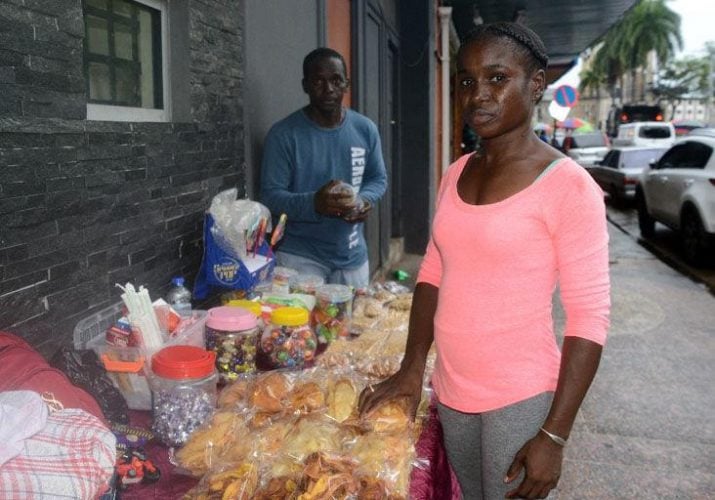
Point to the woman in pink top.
(513, 220)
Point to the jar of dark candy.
(232, 333)
(288, 341)
(183, 388)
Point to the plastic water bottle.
(179, 297)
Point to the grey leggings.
(481, 446)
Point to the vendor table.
(434, 481)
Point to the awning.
(567, 27)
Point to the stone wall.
(86, 204)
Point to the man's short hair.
(319, 54)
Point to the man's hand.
(359, 212)
(334, 199)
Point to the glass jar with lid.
(332, 313)
(288, 341)
(183, 388)
(232, 333)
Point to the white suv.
(679, 191)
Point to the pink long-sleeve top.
(497, 267)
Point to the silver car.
(620, 170)
(679, 191)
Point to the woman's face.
(496, 93)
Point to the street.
(646, 428)
(665, 244)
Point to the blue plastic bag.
(222, 268)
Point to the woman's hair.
(318, 55)
(524, 38)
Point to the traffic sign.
(566, 96)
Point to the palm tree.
(650, 26)
(591, 80)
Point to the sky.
(696, 20)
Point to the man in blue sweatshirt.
(323, 167)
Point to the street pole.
(711, 75)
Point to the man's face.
(325, 84)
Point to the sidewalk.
(646, 429)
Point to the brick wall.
(86, 204)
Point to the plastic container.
(306, 283)
(128, 367)
(183, 388)
(232, 333)
(332, 312)
(281, 279)
(179, 297)
(250, 305)
(288, 341)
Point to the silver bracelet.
(556, 439)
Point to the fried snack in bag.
(342, 399)
(209, 442)
(388, 417)
(236, 394)
(270, 392)
(281, 487)
(327, 476)
(230, 482)
(306, 397)
(387, 457)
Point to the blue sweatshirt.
(300, 157)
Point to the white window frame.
(104, 112)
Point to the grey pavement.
(647, 427)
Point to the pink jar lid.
(230, 319)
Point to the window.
(654, 132)
(124, 60)
(690, 154)
(640, 157)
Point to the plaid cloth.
(71, 457)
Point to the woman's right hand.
(405, 384)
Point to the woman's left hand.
(541, 459)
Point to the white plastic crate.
(129, 368)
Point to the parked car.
(588, 147)
(645, 134)
(679, 191)
(706, 131)
(621, 168)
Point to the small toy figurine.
(133, 467)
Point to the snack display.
(232, 333)
(332, 313)
(287, 340)
(301, 430)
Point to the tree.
(592, 81)
(681, 79)
(650, 26)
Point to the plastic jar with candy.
(183, 388)
(332, 312)
(306, 283)
(288, 341)
(281, 279)
(232, 333)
